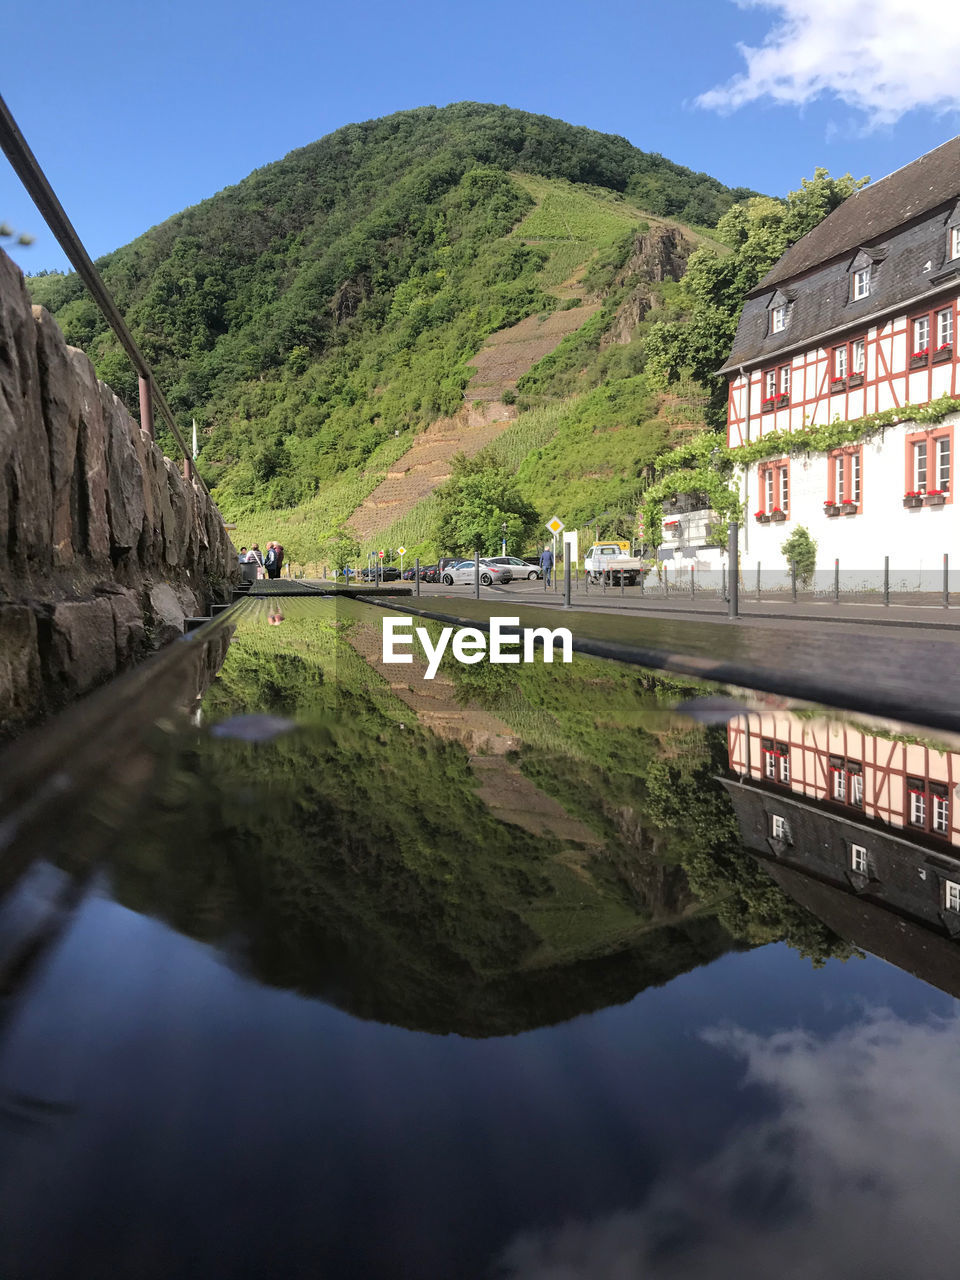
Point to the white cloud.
(855, 1174)
(882, 58)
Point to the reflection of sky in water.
(204, 1125)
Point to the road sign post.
(555, 526)
(401, 552)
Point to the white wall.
(913, 539)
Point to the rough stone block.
(78, 646)
(166, 614)
(20, 689)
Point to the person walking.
(546, 563)
(270, 560)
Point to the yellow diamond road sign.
(555, 525)
(401, 551)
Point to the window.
(941, 815)
(776, 384)
(839, 783)
(920, 465)
(783, 758)
(858, 362)
(929, 460)
(921, 337)
(917, 802)
(945, 328)
(858, 859)
(843, 478)
(854, 773)
(774, 480)
(943, 463)
(955, 242)
(861, 284)
(779, 828)
(769, 764)
(840, 362)
(778, 319)
(951, 895)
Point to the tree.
(758, 232)
(341, 548)
(801, 550)
(475, 503)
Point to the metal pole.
(566, 583)
(886, 580)
(758, 579)
(946, 581)
(146, 406)
(621, 582)
(836, 581)
(733, 559)
(723, 582)
(793, 579)
(476, 574)
(693, 590)
(416, 565)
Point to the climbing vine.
(704, 465)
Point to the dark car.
(431, 573)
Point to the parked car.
(431, 573)
(464, 573)
(519, 568)
(385, 574)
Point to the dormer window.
(955, 242)
(861, 284)
(778, 319)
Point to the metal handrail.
(28, 170)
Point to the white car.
(464, 573)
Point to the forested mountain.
(332, 300)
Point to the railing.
(28, 170)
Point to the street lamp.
(503, 540)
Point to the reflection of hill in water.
(362, 862)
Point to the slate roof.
(901, 220)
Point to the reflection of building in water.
(855, 826)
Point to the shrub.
(801, 549)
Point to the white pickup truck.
(614, 561)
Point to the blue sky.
(137, 112)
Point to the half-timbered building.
(858, 317)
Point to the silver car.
(519, 568)
(463, 572)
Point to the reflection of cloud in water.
(855, 1176)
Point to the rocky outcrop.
(104, 547)
(657, 255)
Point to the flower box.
(919, 359)
(783, 399)
(761, 517)
(943, 353)
(913, 499)
(778, 515)
(934, 498)
(848, 507)
(768, 403)
(837, 384)
(831, 508)
(855, 380)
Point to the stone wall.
(104, 547)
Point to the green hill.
(318, 315)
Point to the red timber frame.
(850, 460)
(816, 364)
(780, 468)
(811, 766)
